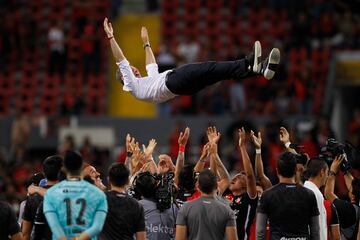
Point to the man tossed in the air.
(187, 79)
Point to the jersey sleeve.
(232, 218)
(141, 221)
(102, 204)
(152, 69)
(48, 206)
(334, 215)
(314, 210)
(28, 214)
(181, 216)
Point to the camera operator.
(160, 223)
(348, 211)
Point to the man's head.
(52, 166)
(318, 170)
(89, 170)
(119, 77)
(118, 175)
(207, 182)
(286, 165)
(238, 182)
(187, 178)
(73, 163)
(355, 193)
(146, 184)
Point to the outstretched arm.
(250, 176)
(182, 140)
(116, 50)
(330, 182)
(259, 168)
(149, 55)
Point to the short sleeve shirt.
(75, 202)
(206, 218)
(284, 204)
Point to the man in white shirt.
(187, 79)
(317, 173)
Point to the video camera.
(163, 188)
(333, 149)
(164, 191)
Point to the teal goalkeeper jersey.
(75, 203)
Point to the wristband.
(287, 144)
(332, 173)
(129, 154)
(258, 151)
(181, 148)
(109, 38)
(146, 45)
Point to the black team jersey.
(125, 217)
(289, 208)
(8, 221)
(245, 210)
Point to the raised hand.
(205, 151)
(165, 164)
(284, 135)
(242, 137)
(184, 137)
(213, 135)
(150, 148)
(144, 35)
(108, 28)
(336, 163)
(256, 140)
(128, 140)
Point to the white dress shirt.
(151, 88)
(320, 203)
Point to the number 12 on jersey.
(79, 219)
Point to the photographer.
(348, 211)
(160, 223)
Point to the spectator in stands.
(90, 51)
(188, 50)
(125, 216)
(9, 225)
(67, 145)
(284, 203)
(206, 217)
(20, 132)
(165, 59)
(56, 40)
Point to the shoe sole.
(274, 60)
(257, 57)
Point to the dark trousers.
(191, 78)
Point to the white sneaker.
(268, 66)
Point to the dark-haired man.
(125, 216)
(75, 208)
(51, 168)
(348, 212)
(187, 79)
(159, 224)
(290, 208)
(9, 226)
(206, 217)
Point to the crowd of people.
(151, 198)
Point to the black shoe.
(254, 58)
(268, 66)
